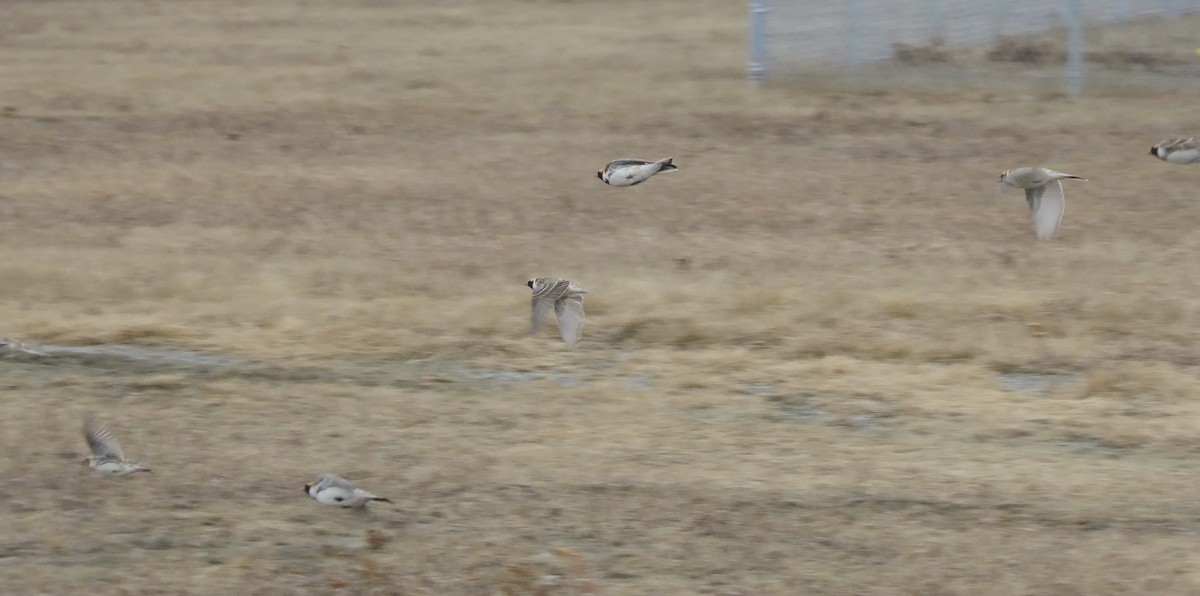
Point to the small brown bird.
(106, 452)
(1044, 193)
(1180, 151)
(330, 489)
(566, 299)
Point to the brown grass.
(1147, 53)
(793, 375)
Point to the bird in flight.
(330, 489)
(565, 298)
(628, 172)
(106, 455)
(1180, 151)
(1044, 193)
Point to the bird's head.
(532, 281)
(1004, 176)
(307, 486)
(600, 175)
(1154, 151)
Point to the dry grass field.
(266, 240)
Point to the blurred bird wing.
(334, 481)
(543, 300)
(1182, 144)
(622, 163)
(569, 311)
(100, 439)
(1046, 205)
(1183, 151)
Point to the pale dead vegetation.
(827, 357)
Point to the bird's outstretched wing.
(100, 439)
(569, 311)
(1046, 205)
(543, 301)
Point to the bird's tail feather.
(1065, 176)
(666, 165)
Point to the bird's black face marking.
(306, 487)
(530, 284)
(600, 175)
(1152, 152)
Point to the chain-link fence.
(1075, 43)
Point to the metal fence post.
(1072, 11)
(853, 43)
(758, 42)
(937, 19)
(997, 19)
